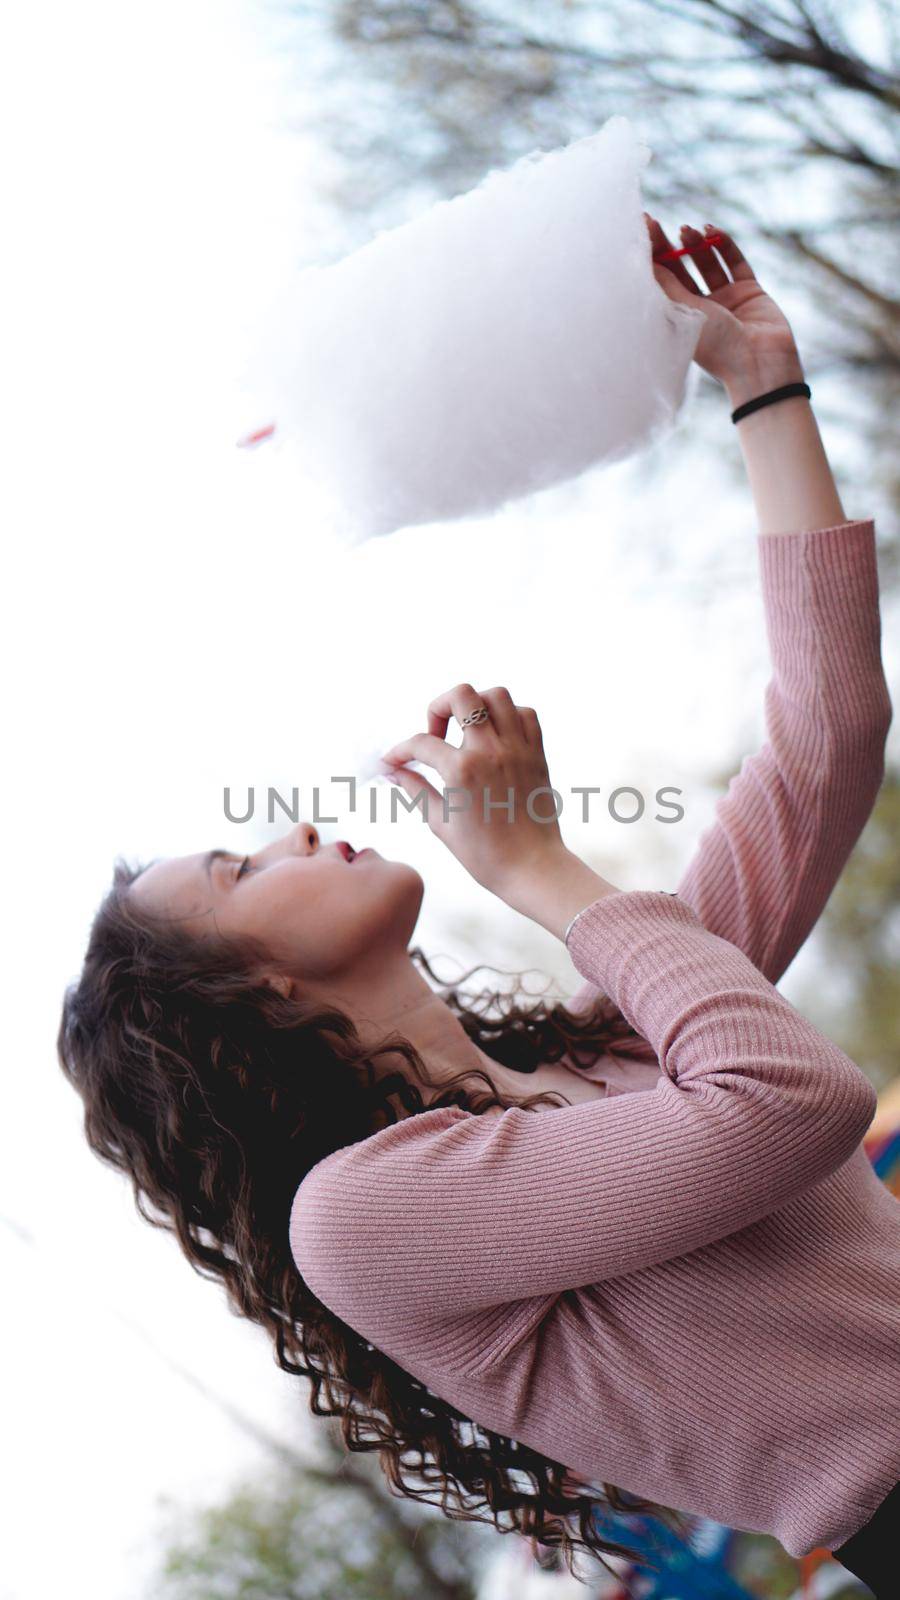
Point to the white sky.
(177, 620)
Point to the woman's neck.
(394, 997)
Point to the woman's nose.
(300, 841)
(303, 839)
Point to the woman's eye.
(244, 867)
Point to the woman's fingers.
(498, 775)
(737, 263)
(659, 244)
(504, 713)
(414, 784)
(462, 700)
(426, 747)
(456, 702)
(531, 725)
(704, 259)
(710, 269)
(508, 726)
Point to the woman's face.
(315, 912)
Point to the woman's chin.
(407, 884)
(411, 877)
(389, 862)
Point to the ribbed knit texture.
(690, 1287)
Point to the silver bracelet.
(572, 922)
(673, 895)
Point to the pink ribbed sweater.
(689, 1288)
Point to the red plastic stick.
(258, 436)
(670, 255)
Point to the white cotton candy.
(366, 764)
(503, 342)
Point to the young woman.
(631, 1242)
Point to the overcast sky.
(177, 620)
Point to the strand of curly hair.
(215, 1095)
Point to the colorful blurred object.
(882, 1142)
(695, 1568)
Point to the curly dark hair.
(216, 1095)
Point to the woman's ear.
(280, 982)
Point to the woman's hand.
(747, 340)
(519, 831)
(505, 831)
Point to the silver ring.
(481, 715)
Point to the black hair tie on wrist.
(784, 393)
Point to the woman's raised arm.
(763, 872)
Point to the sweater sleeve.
(450, 1211)
(763, 871)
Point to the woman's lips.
(348, 852)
